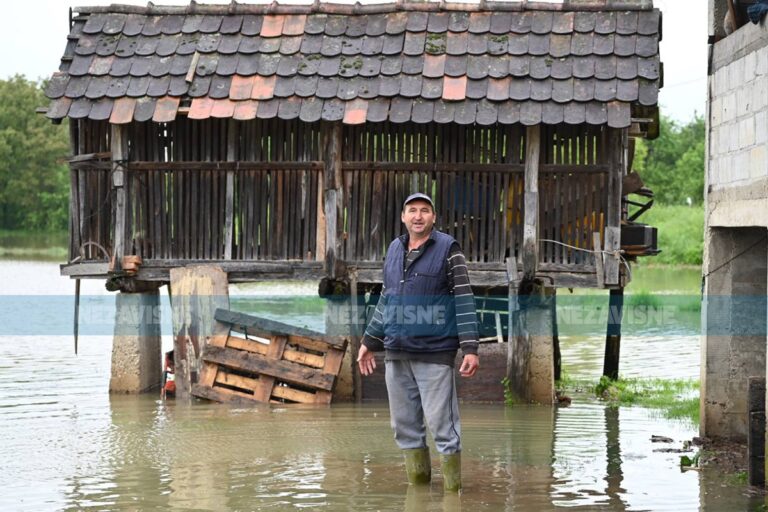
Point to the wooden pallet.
(260, 360)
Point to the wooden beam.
(119, 146)
(613, 335)
(226, 166)
(617, 146)
(334, 204)
(531, 202)
(229, 205)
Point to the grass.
(674, 398)
(681, 233)
(33, 245)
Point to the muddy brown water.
(66, 444)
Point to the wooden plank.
(238, 381)
(282, 370)
(219, 394)
(119, 147)
(293, 395)
(598, 259)
(616, 144)
(333, 360)
(263, 392)
(531, 205)
(246, 344)
(333, 200)
(229, 202)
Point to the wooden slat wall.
(90, 191)
(573, 200)
(180, 213)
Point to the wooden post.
(516, 372)
(531, 202)
(616, 149)
(119, 146)
(229, 206)
(333, 186)
(196, 293)
(613, 337)
(558, 356)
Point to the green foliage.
(509, 397)
(674, 398)
(673, 164)
(681, 234)
(33, 173)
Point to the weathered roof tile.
(285, 86)
(289, 108)
(333, 110)
(268, 109)
(245, 110)
(479, 22)
(456, 65)
(219, 88)
(552, 113)
(393, 45)
(562, 22)
(443, 66)
(352, 45)
(626, 22)
(231, 24)
(541, 90)
(431, 88)
(311, 109)
(223, 108)
(605, 22)
(604, 44)
(396, 22)
(165, 110)
(477, 44)
(327, 88)
(158, 86)
(152, 26)
(122, 111)
(138, 86)
(133, 25)
(625, 46)
(477, 67)
(251, 25)
(413, 65)
(377, 25)
(541, 22)
(305, 86)
(80, 108)
(444, 111)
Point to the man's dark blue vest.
(419, 313)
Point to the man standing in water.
(425, 314)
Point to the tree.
(673, 164)
(33, 170)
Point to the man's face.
(418, 217)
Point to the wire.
(610, 253)
(760, 240)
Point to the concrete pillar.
(733, 326)
(541, 369)
(342, 320)
(136, 347)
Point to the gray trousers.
(419, 390)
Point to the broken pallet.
(261, 360)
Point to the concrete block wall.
(738, 120)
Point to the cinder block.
(746, 132)
(761, 68)
(723, 140)
(749, 67)
(758, 162)
(760, 94)
(729, 107)
(735, 74)
(761, 127)
(733, 138)
(715, 113)
(744, 101)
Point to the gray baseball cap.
(418, 195)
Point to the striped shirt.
(466, 317)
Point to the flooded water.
(68, 445)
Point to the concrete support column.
(734, 328)
(541, 366)
(136, 347)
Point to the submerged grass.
(674, 398)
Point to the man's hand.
(365, 360)
(469, 365)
